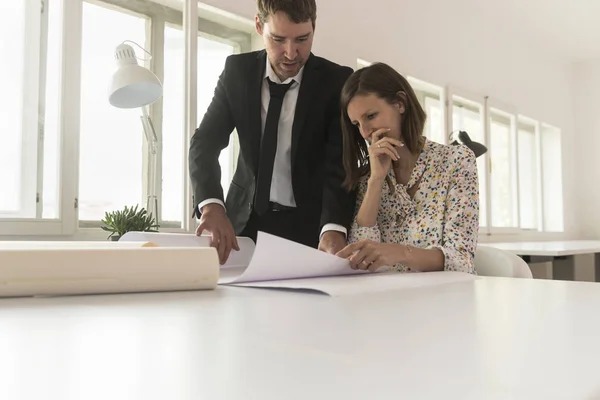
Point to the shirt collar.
(269, 73)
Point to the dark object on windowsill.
(475, 147)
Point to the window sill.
(82, 234)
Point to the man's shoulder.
(243, 59)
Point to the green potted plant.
(129, 219)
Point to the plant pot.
(115, 238)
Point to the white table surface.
(495, 338)
(550, 249)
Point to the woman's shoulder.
(451, 154)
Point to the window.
(503, 184)
(106, 186)
(551, 167)
(520, 175)
(49, 107)
(66, 155)
(211, 60)
(435, 120)
(12, 79)
(110, 162)
(529, 178)
(430, 97)
(28, 141)
(360, 63)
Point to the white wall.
(586, 105)
(450, 42)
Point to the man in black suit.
(284, 103)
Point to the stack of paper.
(279, 263)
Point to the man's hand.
(223, 238)
(332, 241)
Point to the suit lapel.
(254, 90)
(308, 88)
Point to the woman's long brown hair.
(384, 82)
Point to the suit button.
(249, 206)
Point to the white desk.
(495, 338)
(560, 253)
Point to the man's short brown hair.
(298, 11)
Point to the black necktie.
(268, 146)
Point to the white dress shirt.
(281, 181)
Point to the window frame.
(34, 23)
(505, 110)
(546, 192)
(431, 90)
(535, 124)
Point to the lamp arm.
(152, 139)
(149, 130)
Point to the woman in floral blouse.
(417, 200)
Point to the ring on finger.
(379, 145)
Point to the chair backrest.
(490, 261)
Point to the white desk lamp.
(134, 86)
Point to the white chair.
(490, 261)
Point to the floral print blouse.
(444, 212)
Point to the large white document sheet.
(275, 262)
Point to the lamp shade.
(132, 86)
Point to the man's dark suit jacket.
(317, 170)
